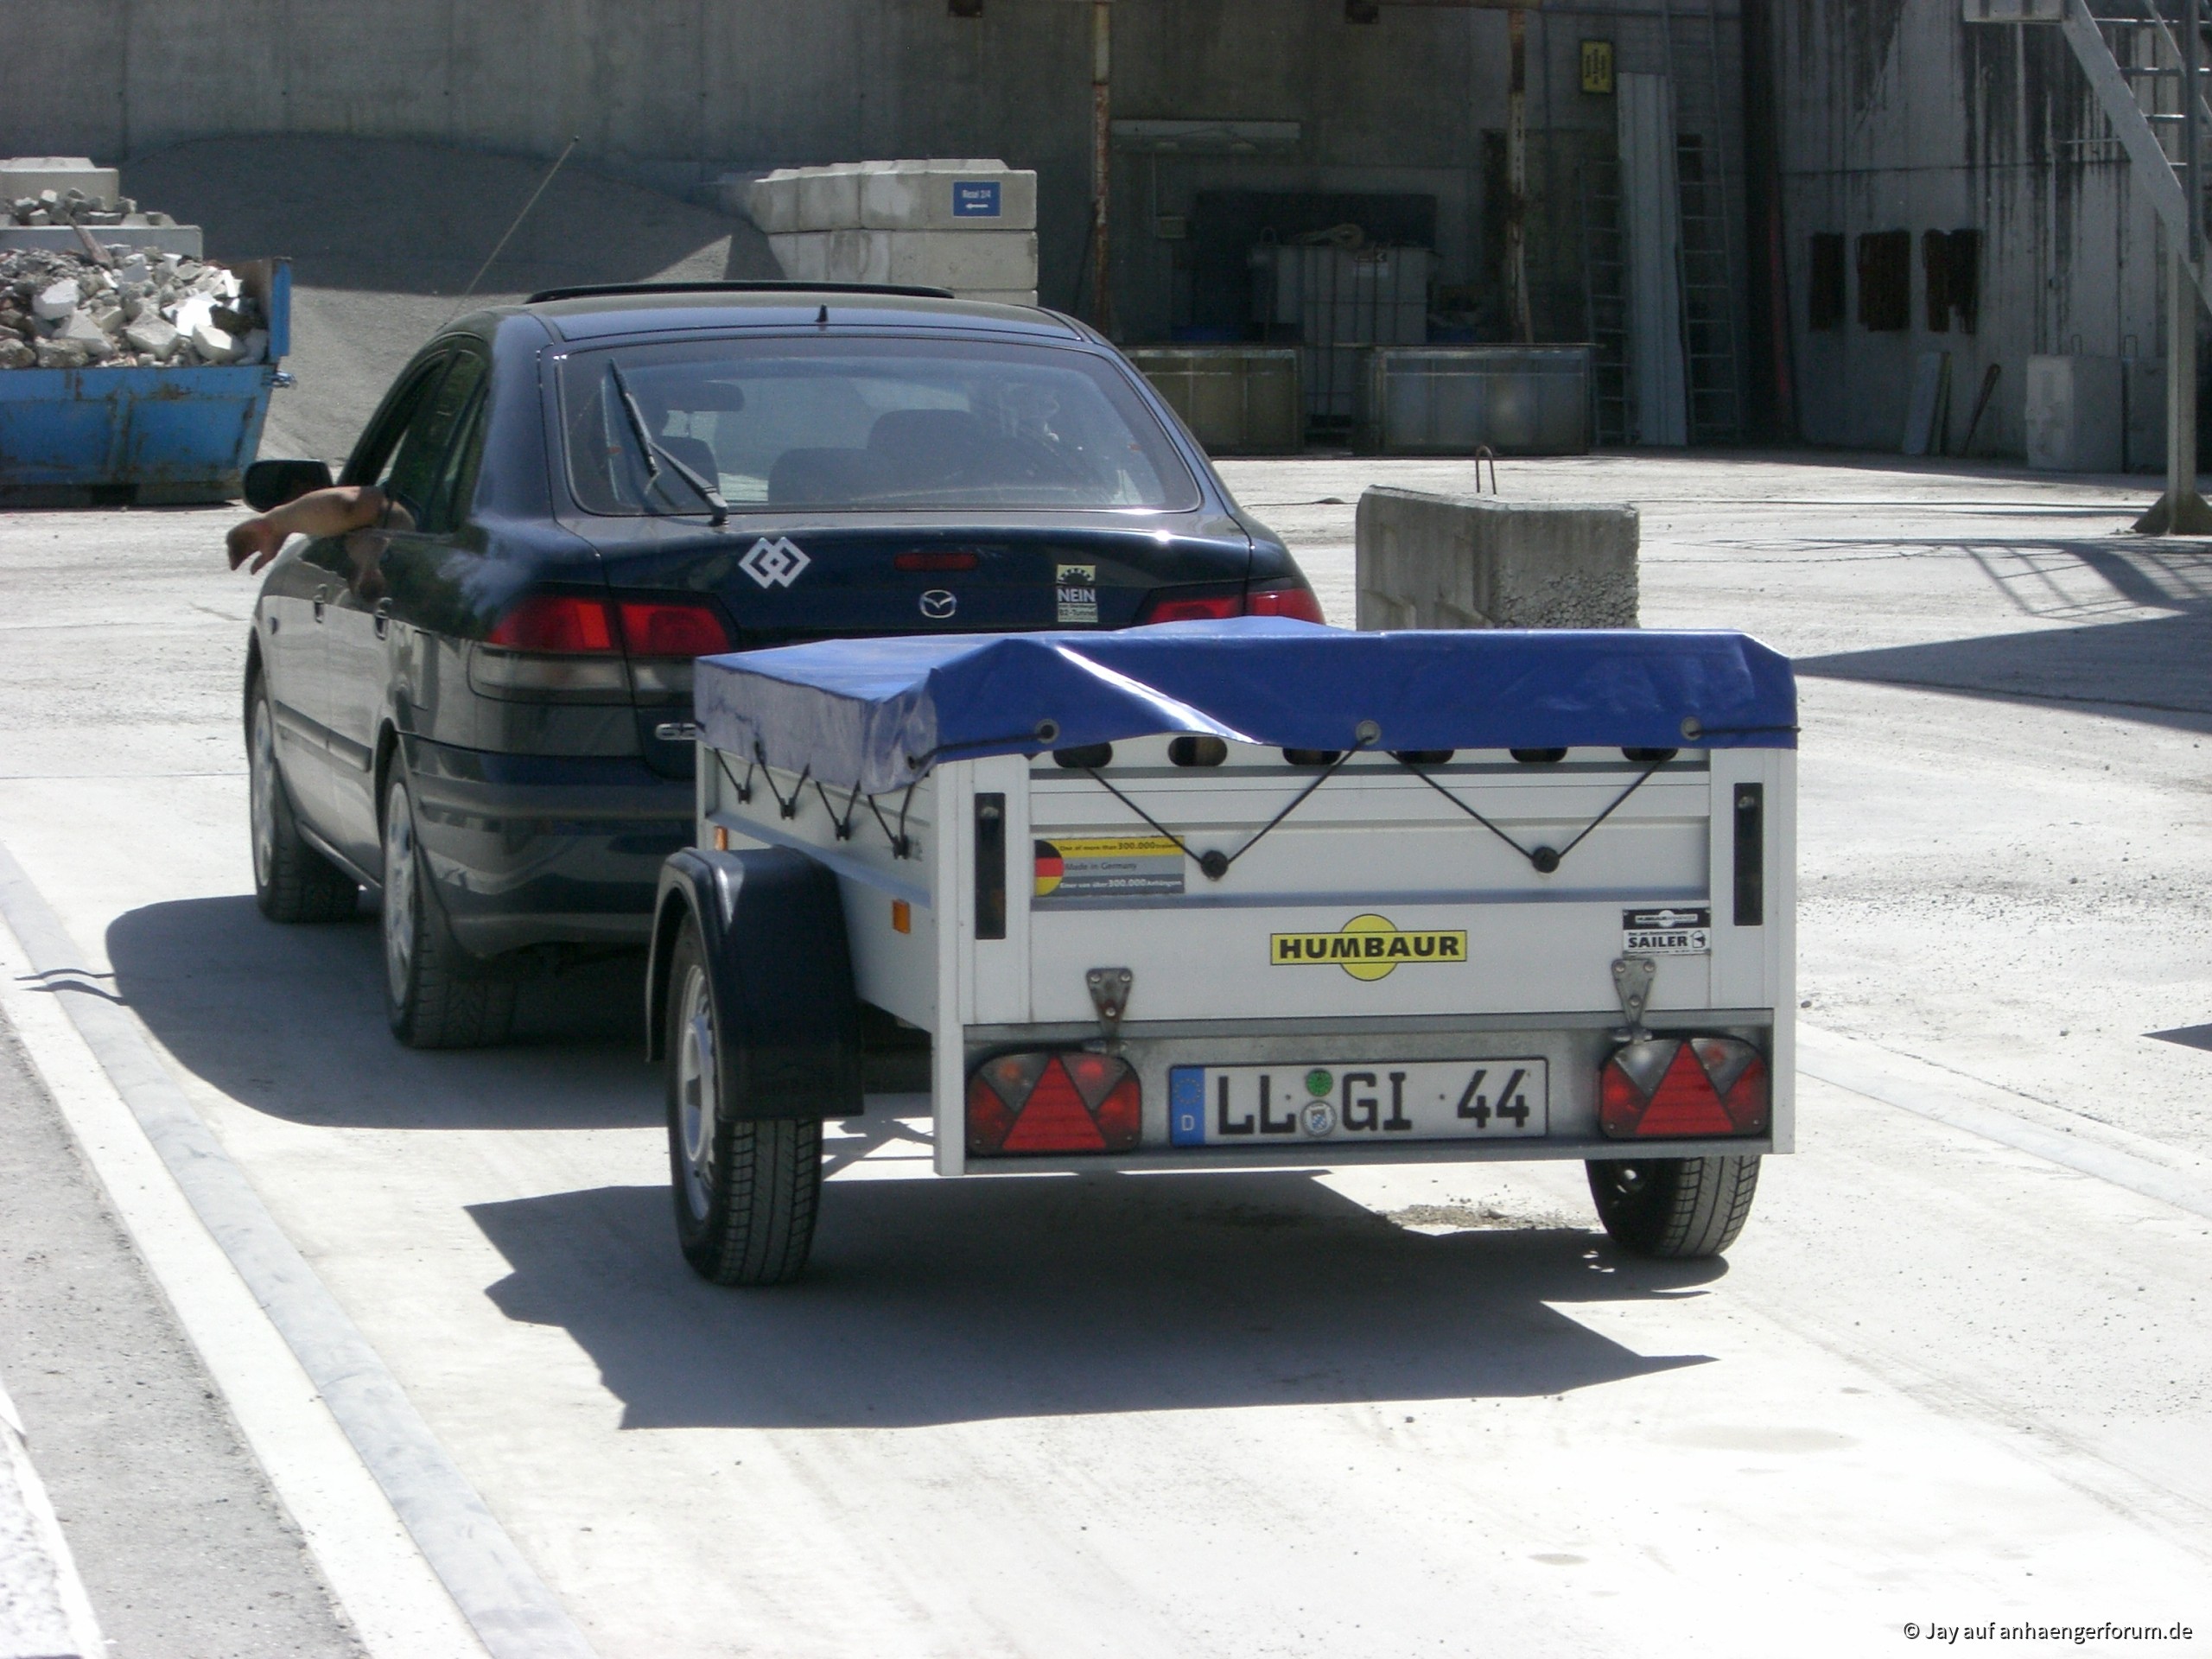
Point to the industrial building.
(1770, 221)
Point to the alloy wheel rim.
(398, 894)
(696, 1094)
(261, 791)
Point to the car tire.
(435, 994)
(292, 882)
(1675, 1209)
(746, 1189)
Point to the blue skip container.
(142, 437)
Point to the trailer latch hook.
(1109, 996)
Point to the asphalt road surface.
(1953, 1374)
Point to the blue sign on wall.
(976, 200)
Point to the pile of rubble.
(139, 309)
(75, 208)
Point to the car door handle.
(383, 617)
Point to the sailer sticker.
(1663, 933)
(1369, 947)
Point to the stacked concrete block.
(1476, 561)
(139, 309)
(45, 198)
(970, 226)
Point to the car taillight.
(1171, 606)
(1669, 1088)
(958, 558)
(1297, 603)
(556, 622)
(1028, 1105)
(660, 628)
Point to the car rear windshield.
(864, 425)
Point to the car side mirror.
(272, 483)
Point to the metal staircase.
(2148, 62)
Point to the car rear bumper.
(536, 849)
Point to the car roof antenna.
(823, 321)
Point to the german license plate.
(1361, 1102)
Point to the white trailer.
(1236, 895)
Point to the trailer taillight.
(1669, 1088)
(1028, 1105)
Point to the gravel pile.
(145, 310)
(73, 208)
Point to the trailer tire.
(435, 994)
(746, 1189)
(1674, 1209)
(292, 882)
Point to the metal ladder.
(1708, 218)
(1604, 299)
(2147, 61)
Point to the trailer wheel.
(292, 882)
(435, 994)
(746, 1189)
(1673, 1208)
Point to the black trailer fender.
(772, 923)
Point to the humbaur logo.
(1367, 947)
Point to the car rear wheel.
(435, 994)
(1673, 1208)
(292, 882)
(746, 1189)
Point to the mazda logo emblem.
(939, 606)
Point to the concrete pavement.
(1941, 1380)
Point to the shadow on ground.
(2153, 669)
(290, 1020)
(954, 1301)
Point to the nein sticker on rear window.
(1075, 587)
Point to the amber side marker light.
(1032, 1104)
(1674, 1088)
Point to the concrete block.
(829, 199)
(2074, 420)
(57, 301)
(36, 175)
(15, 353)
(1478, 562)
(1003, 262)
(947, 196)
(151, 335)
(214, 344)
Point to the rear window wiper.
(654, 455)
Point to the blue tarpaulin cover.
(876, 713)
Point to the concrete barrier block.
(1478, 561)
(967, 262)
(829, 198)
(772, 202)
(980, 195)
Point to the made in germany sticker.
(1107, 866)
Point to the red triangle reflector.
(1054, 1118)
(1684, 1102)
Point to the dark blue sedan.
(477, 704)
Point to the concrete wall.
(1899, 116)
(675, 91)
